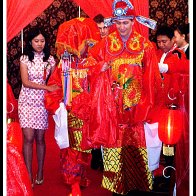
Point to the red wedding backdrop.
(20, 13)
(59, 11)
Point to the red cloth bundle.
(99, 114)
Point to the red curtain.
(21, 12)
(94, 7)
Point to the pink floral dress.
(31, 109)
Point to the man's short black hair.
(99, 18)
(165, 30)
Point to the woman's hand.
(52, 88)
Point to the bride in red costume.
(72, 46)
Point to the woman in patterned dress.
(36, 63)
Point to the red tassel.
(44, 74)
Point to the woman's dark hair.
(183, 29)
(165, 30)
(29, 51)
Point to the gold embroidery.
(114, 169)
(135, 44)
(131, 87)
(78, 75)
(74, 122)
(132, 94)
(136, 60)
(120, 61)
(75, 132)
(115, 43)
(122, 77)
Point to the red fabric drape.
(21, 12)
(92, 8)
(12, 104)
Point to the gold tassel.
(168, 150)
(9, 120)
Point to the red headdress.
(123, 9)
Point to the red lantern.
(170, 125)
